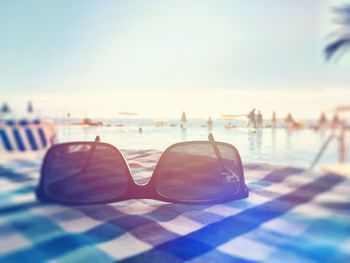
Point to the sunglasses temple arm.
(91, 152)
(216, 150)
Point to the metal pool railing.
(339, 134)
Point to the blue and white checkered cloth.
(290, 216)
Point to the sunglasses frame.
(134, 190)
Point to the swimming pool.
(274, 146)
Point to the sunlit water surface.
(274, 146)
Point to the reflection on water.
(251, 141)
(273, 141)
(295, 148)
(183, 134)
(259, 142)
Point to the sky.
(161, 57)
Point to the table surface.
(291, 215)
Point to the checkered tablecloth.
(290, 216)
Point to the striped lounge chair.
(24, 135)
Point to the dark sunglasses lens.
(83, 173)
(193, 173)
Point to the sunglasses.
(194, 172)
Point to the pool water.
(274, 146)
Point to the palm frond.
(341, 40)
(336, 46)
